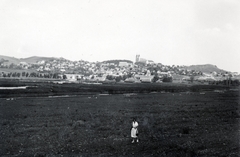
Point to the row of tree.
(124, 77)
(31, 74)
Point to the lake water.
(22, 87)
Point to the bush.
(236, 82)
(167, 79)
(155, 78)
(118, 79)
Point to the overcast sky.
(171, 32)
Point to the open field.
(83, 120)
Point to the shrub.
(167, 79)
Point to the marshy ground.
(170, 124)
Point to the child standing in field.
(134, 131)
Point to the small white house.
(144, 79)
(73, 77)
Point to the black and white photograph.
(120, 78)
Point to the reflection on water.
(59, 96)
(22, 87)
(19, 87)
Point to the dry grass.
(170, 124)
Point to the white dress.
(134, 129)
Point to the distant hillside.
(117, 61)
(8, 60)
(207, 68)
(35, 59)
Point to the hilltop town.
(142, 70)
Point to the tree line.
(31, 74)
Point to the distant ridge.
(35, 59)
(32, 59)
(9, 60)
(207, 68)
(116, 61)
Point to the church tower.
(137, 58)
